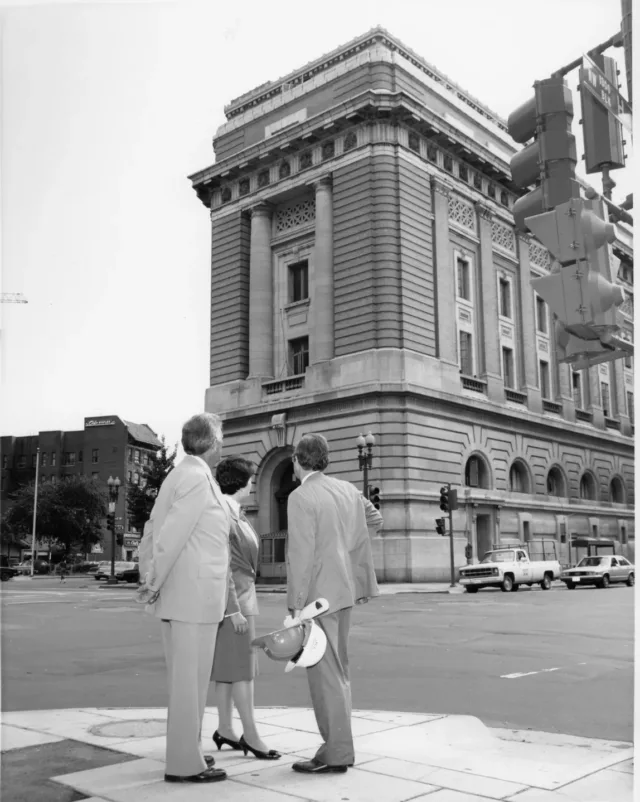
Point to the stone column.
(487, 308)
(321, 345)
(565, 388)
(261, 295)
(619, 394)
(527, 338)
(445, 276)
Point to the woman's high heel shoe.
(270, 755)
(220, 740)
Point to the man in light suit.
(190, 573)
(329, 556)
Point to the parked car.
(600, 571)
(7, 571)
(84, 567)
(41, 567)
(104, 571)
(131, 574)
(507, 569)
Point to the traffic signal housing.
(111, 521)
(550, 160)
(440, 526)
(448, 499)
(603, 143)
(374, 496)
(120, 540)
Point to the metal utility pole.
(627, 43)
(451, 554)
(35, 513)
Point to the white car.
(600, 571)
(507, 569)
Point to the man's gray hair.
(201, 433)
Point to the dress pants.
(331, 691)
(189, 650)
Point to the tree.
(69, 513)
(141, 497)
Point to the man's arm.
(374, 518)
(300, 551)
(183, 515)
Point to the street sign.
(119, 528)
(595, 81)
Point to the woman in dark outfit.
(235, 660)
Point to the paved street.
(559, 661)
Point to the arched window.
(616, 491)
(588, 489)
(518, 478)
(555, 483)
(476, 472)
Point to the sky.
(108, 107)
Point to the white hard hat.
(313, 649)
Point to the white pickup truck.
(507, 569)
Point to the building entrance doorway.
(483, 535)
(273, 542)
(285, 485)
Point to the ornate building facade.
(367, 276)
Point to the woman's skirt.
(235, 660)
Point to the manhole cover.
(140, 728)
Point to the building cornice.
(375, 36)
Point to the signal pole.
(451, 554)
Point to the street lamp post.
(114, 490)
(365, 459)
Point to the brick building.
(366, 275)
(106, 446)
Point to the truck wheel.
(507, 584)
(570, 585)
(631, 581)
(472, 590)
(515, 588)
(4, 577)
(546, 582)
(605, 581)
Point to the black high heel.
(270, 755)
(220, 740)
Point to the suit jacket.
(190, 564)
(244, 545)
(329, 550)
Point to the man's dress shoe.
(209, 775)
(316, 767)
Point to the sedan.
(600, 571)
(131, 574)
(104, 571)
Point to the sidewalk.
(116, 755)
(393, 588)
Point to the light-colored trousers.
(331, 691)
(188, 650)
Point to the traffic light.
(551, 158)
(374, 496)
(111, 520)
(120, 540)
(440, 527)
(603, 144)
(448, 499)
(578, 290)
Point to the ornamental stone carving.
(306, 160)
(350, 141)
(414, 142)
(461, 212)
(226, 194)
(539, 256)
(328, 150)
(263, 178)
(503, 236)
(284, 170)
(295, 214)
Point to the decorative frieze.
(350, 141)
(461, 212)
(539, 256)
(503, 236)
(295, 214)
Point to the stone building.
(366, 276)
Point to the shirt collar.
(313, 473)
(233, 504)
(195, 456)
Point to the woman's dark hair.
(233, 473)
(312, 452)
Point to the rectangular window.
(145, 458)
(299, 281)
(80, 456)
(95, 455)
(69, 458)
(541, 314)
(505, 297)
(507, 367)
(53, 459)
(545, 385)
(5, 462)
(630, 406)
(606, 400)
(129, 475)
(576, 380)
(22, 462)
(136, 459)
(130, 454)
(628, 362)
(464, 289)
(136, 478)
(299, 355)
(95, 475)
(44, 459)
(53, 480)
(466, 353)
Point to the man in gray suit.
(190, 573)
(329, 556)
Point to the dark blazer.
(244, 548)
(329, 549)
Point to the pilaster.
(528, 333)
(447, 348)
(488, 308)
(321, 345)
(261, 294)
